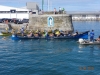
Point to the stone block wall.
(61, 22)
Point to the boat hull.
(14, 37)
(90, 43)
(83, 35)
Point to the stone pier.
(60, 21)
(42, 22)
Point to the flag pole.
(48, 5)
(42, 4)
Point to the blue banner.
(50, 21)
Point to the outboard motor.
(80, 40)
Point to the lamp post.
(42, 4)
(48, 5)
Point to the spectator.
(59, 10)
(63, 10)
(54, 10)
(40, 12)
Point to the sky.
(69, 5)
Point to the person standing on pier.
(54, 10)
(63, 10)
(59, 10)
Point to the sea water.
(51, 57)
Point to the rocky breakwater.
(12, 26)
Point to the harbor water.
(51, 57)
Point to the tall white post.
(48, 5)
(51, 6)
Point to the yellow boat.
(5, 33)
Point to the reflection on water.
(82, 46)
(93, 49)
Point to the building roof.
(7, 8)
(23, 7)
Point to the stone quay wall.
(61, 21)
(10, 26)
(40, 22)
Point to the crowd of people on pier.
(61, 11)
(55, 11)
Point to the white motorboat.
(87, 42)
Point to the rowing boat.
(83, 35)
(5, 33)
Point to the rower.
(30, 34)
(76, 33)
(98, 39)
(22, 31)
